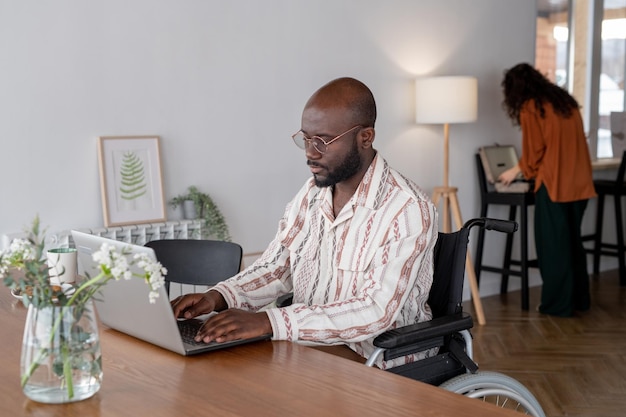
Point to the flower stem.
(67, 370)
(86, 285)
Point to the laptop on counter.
(497, 159)
(124, 305)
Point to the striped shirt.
(354, 276)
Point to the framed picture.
(130, 180)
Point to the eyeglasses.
(320, 145)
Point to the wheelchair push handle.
(504, 226)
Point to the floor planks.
(574, 366)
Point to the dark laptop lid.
(497, 159)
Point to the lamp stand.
(450, 201)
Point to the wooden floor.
(574, 366)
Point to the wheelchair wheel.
(495, 388)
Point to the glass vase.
(61, 359)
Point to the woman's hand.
(510, 175)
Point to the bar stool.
(513, 200)
(616, 189)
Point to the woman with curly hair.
(555, 154)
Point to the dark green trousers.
(561, 256)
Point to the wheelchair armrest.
(419, 332)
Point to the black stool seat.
(617, 189)
(513, 200)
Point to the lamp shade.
(443, 100)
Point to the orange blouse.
(555, 153)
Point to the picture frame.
(131, 183)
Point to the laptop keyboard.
(188, 330)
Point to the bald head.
(350, 95)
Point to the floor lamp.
(446, 100)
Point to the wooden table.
(260, 379)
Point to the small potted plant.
(213, 222)
(187, 205)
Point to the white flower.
(120, 268)
(103, 256)
(153, 296)
(22, 248)
(154, 273)
(117, 266)
(19, 252)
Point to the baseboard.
(490, 282)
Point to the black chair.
(453, 367)
(490, 197)
(617, 189)
(197, 262)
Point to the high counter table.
(602, 164)
(260, 379)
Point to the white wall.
(223, 84)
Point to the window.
(563, 56)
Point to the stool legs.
(508, 250)
(505, 270)
(523, 262)
(600, 248)
(620, 239)
(597, 241)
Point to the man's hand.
(234, 324)
(193, 305)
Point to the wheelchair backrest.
(446, 293)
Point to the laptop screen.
(497, 159)
(124, 305)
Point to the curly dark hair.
(523, 82)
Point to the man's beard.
(350, 166)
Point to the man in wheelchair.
(354, 247)
(355, 252)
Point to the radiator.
(138, 234)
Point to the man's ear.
(366, 136)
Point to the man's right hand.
(193, 305)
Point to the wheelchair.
(453, 368)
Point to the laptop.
(124, 305)
(497, 159)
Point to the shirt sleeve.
(398, 277)
(269, 277)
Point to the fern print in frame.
(132, 177)
(130, 180)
